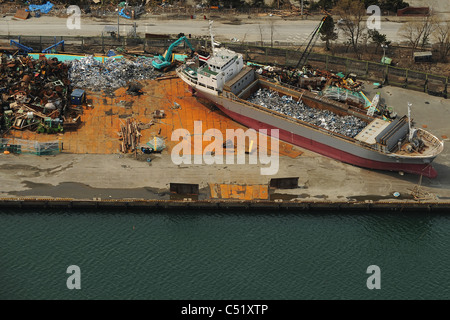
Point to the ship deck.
(373, 129)
(375, 126)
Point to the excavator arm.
(163, 61)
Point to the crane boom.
(301, 62)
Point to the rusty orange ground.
(98, 133)
(241, 192)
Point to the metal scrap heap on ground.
(110, 75)
(34, 94)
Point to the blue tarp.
(121, 13)
(110, 53)
(44, 8)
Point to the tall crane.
(314, 36)
(163, 61)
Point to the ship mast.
(409, 121)
(212, 36)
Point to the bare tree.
(418, 33)
(412, 32)
(429, 25)
(261, 34)
(352, 14)
(272, 29)
(442, 37)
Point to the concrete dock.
(91, 172)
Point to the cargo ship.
(223, 79)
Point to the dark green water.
(223, 255)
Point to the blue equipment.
(49, 49)
(22, 49)
(121, 13)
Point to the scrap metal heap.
(309, 78)
(336, 86)
(346, 125)
(34, 94)
(110, 75)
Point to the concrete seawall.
(385, 206)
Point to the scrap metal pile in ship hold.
(325, 83)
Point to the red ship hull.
(421, 169)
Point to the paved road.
(296, 31)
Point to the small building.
(426, 56)
(77, 97)
(413, 11)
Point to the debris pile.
(135, 89)
(34, 94)
(110, 75)
(308, 78)
(130, 136)
(43, 8)
(131, 12)
(346, 125)
(336, 86)
(343, 95)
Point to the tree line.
(351, 14)
(418, 33)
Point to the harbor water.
(242, 254)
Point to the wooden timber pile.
(130, 136)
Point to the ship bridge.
(385, 135)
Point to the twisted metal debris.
(346, 125)
(34, 94)
(112, 74)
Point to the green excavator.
(162, 62)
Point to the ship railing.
(180, 71)
(435, 144)
(284, 84)
(353, 110)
